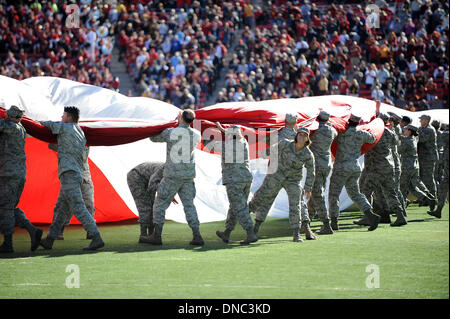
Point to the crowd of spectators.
(46, 38)
(303, 49)
(175, 50)
(176, 53)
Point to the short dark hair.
(308, 141)
(74, 112)
(352, 124)
(188, 116)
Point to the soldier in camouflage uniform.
(395, 124)
(443, 186)
(409, 179)
(438, 172)
(346, 172)
(320, 147)
(143, 181)
(71, 151)
(406, 120)
(288, 132)
(178, 176)
(87, 191)
(12, 180)
(380, 170)
(237, 178)
(292, 156)
(428, 155)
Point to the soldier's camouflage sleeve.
(310, 172)
(162, 137)
(55, 127)
(155, 179)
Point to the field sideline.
(411, 261)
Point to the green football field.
(406, 262)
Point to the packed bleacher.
(175, 50)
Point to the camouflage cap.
(354, 118)
(412, 128)
(303, 130)
(291, 118)
(324, 115)
(406, 119)
(395, 117)
(15, 111)
(444, 126)
(425, 117)
(233, 130)
(436, 124)
(384, 117)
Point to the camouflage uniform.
(380, 169)
(12, 181)
(71, 158)
(409, 179)
(428, 156)
(287, 133)
(320, 147)
(179, 173)
(287, 176)
(440, 149)
(443, 185)
(346, 170)
(12, 172)
(237, 178)
(143, 180)
(87, 189)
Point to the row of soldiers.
(391, 172)
(395, 166)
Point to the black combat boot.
(251, 237)
(224, 235)
(96, 243)
(197, 239)
(400, 221)
(35, 234)
(308, 233)
(7, 246)
(436, 213)
(143, 234)
(373, 219)
(296, 237)
(364, 221)
(47, 242)
(155, 237)
(334, 223)
(326, 229)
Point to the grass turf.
(413, 262)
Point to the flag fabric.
(117, 128)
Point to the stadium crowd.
(175, 50)
(300, 49)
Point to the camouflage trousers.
(238, 211)
(142, 197)
(70, 201)
(11, 189)
(380, 203)
(317, 200)
(426, 168)
(439, 171)
(87, 191)
(167, 190)
(443, 186)
(265, 196)
(382, 183)
(340, 178)
(410, 182)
